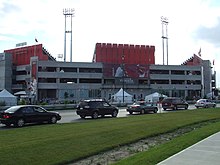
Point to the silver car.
(205, 103)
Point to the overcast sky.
(193, 24)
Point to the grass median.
(64, 143)
(161, 152)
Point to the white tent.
(8, 98)
(154, 97)
(20, 93)
(118, 97)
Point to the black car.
(96, 108)
(174, 103)
(142, 107)
(22, 114)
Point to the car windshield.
(167, 100)
(150, 104)
(39, 109)
(83, 104)
(202, 100)
(94, 104)
(12, 109)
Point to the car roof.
(202, 99)
(16, 107)
(93, 100)
(19, 106)
(172, 98)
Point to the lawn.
(163, 151)
(64, 143)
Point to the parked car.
(22, 114)
(96, 108)
(204, 103)
(174, 103)
(142, 107)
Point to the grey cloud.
(211, 35)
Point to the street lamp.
(123, 77)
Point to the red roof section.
(193, 61)
(22, 55)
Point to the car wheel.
(214, 106)
(142, 111)
(53, 120)
(155, 110)
(95, 115)
(20, 123)
(186, 107)
(8, 125)
(130, 112)
(114, 113)
(82, 116)
(164, 109)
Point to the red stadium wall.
(22, 55)
(133, 54)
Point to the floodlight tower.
(123, 77)
(68, 13)
(164, 22)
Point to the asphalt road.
(69, 116)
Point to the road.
(69, 116)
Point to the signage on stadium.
(21, 44)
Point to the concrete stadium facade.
(75, 81)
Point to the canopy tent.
(20, 93)
(154, 97)
(118, 97)
(8, 98)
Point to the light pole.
(68, 13)
(123, 77)
(164, 21)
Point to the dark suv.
(96, 108)
(174, 103)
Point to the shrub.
(22, 102)
(66, 102)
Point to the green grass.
(63, 143)
(161, 152)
